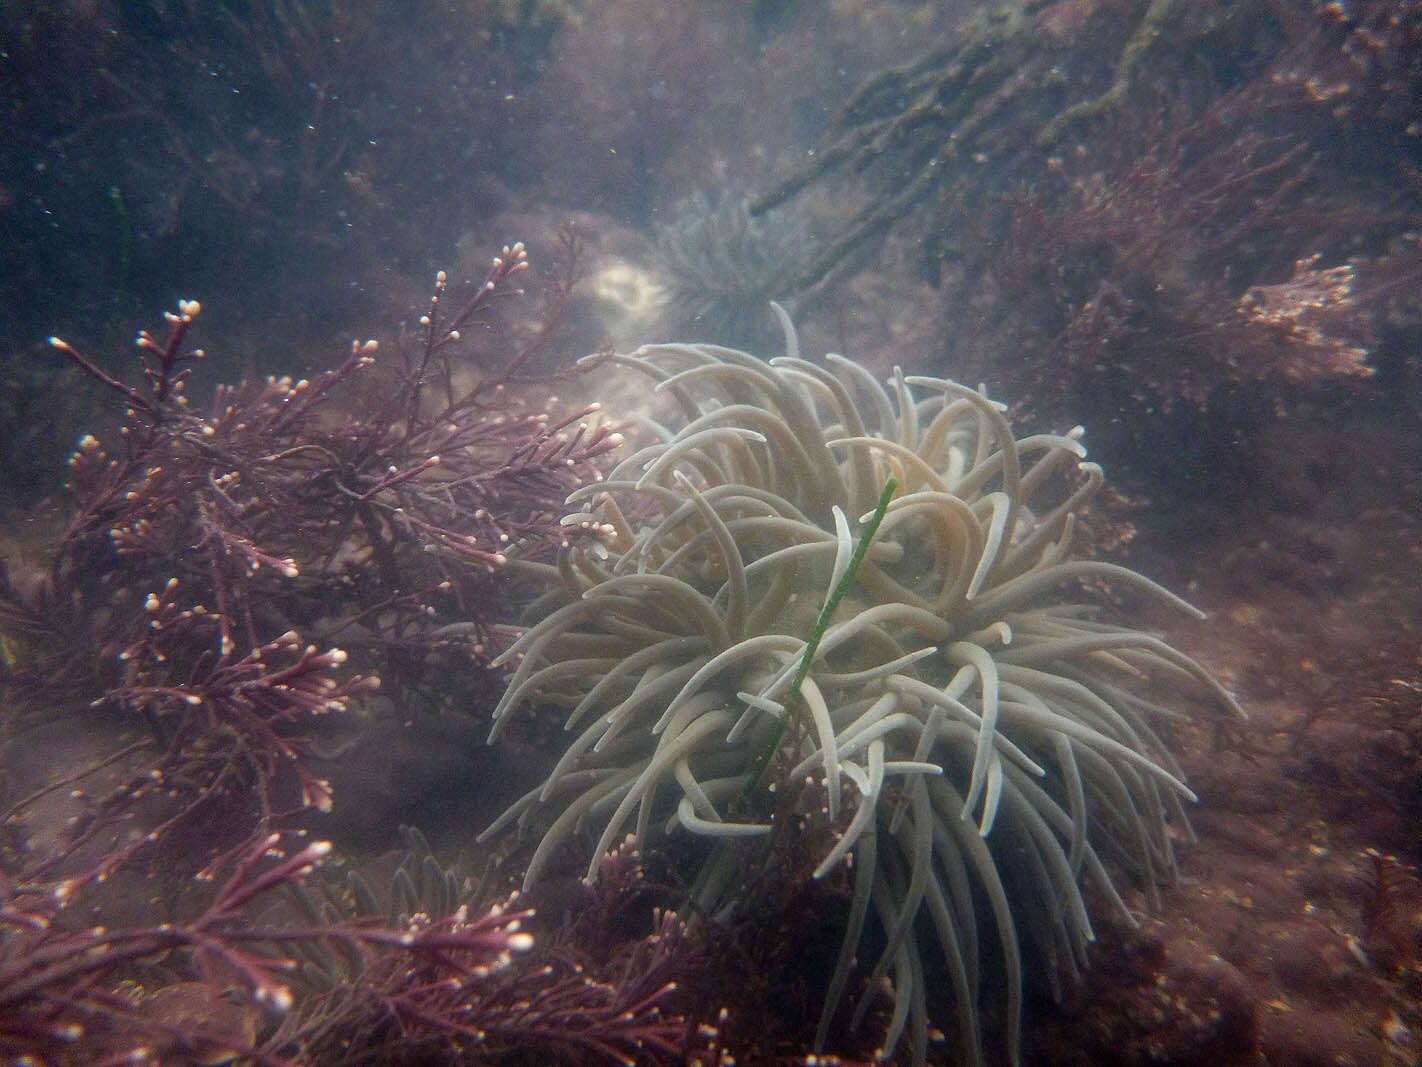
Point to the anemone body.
(721, 267)
(979, 732)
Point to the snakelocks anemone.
(721, 267)
(976, 730)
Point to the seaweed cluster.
(1145, 206)
(233, 592)
(934, 710)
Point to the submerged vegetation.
(1149, 215)
(232, 591)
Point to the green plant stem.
(794, 701)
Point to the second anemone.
(978, 733)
